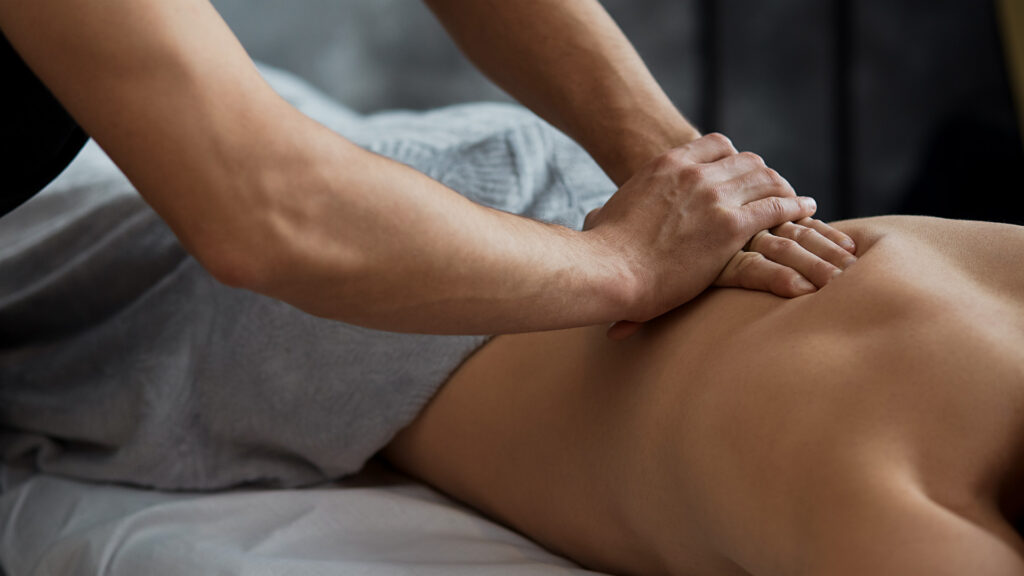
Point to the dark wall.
(935, 127)
(381, 54)
(872, 106)
(772, 83)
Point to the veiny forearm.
(570, 63)
(268, 199)
(387, 247)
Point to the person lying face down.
(875, 426)
(870, 426)
(269, 200)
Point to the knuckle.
(773, 208)
(747, 262)
(718, 138)
(774, 178)
(799, 233)
(714, 193)
(784, 229)
(783, 245)
(776, 182)
(752, 158)
(757, 243)
(695, 173)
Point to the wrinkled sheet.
(377, 523)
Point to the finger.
(740, 162)
(753, 271)
(748, 245)
(706, 149)
(588, 221)
(817, 244)
(830, 233)
(770, 212)
(749, 185)
(623, 329)
(791, 254)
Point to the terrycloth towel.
(122, 360)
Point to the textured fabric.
(122, 360)
(376, 523)
(38, 139)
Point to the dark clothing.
(38, 138)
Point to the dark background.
(871, 106)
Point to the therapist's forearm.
(366, 240)
(267, 199)
(570, 63)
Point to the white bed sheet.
(378, 523)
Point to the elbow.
(236, 264)
(239, 252)
(241, 249)
(265, 237)
(283, 262)
(299, 281)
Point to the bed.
(376, 523)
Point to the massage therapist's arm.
(269, 200)
(570, 63)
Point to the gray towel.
(122, 360)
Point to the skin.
(688, 455)
(267, 199)
(875, 426)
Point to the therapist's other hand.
(681, 218)
(790, 260)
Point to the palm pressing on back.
(728, 204)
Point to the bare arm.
(570, 63)
(269, 200)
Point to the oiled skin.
(874, 427)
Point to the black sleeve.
(38, 138)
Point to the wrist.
(638, 144)
(610, 276)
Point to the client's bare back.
(874, 427)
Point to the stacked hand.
(703, 214)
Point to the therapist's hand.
(790, 260)
(681, 218)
